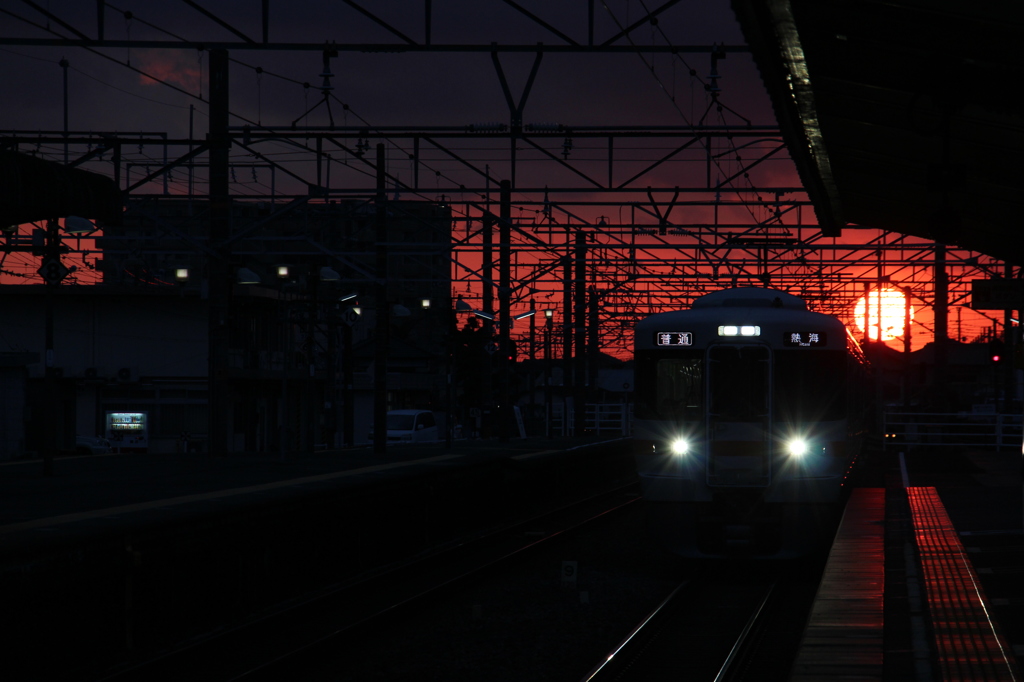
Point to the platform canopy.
(35, 189)
(902, 115)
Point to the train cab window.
(738, 382)
(810, 385)
(679, 388)
(669, 387)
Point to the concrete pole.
(941, 308)
(1009, 372)
(383, 329)
(218, 435)
(567, 382)
(906, 346)
(347, 374)
(64, 66)
(505, 411)
(580, 326)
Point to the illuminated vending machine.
(128, 431)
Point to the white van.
(411, 426)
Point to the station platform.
(924, 582)
(102, 491)
(925, 579)
(115, 558)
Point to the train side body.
(749, 412)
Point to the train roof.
(780, 319)
(750, 297)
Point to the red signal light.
(996, 351)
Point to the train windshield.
(670, 385)
(739, 382)
(810, 385)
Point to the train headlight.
(679, 447)
(798, 447)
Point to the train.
(750, 412)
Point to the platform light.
(181, 274)
(347, 297)
(523, 316)
(77, 226)
(425, 303)
(282, 271)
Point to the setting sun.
(892, 312)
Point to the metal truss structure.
(645, 249)
(643, 217)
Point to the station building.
(138, 342)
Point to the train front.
(742, 424)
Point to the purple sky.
(385, 89)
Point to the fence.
(602, 418)
(912, 429)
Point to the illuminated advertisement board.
(128, 431)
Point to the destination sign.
(674, 339)
(804, 339)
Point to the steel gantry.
(601, 223)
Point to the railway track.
(743, 624)
(297, 636)
(458, 613)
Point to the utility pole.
(219, 399)
(906, 346)
(1009, 372)
(594, 336)
(567, 382)
(47, 244)
(347, 377)
(331, 389)
(487, 270)
(580, 327)
(941, 308)
(382, 340)
(505, 411)
(52, 272)
(548, 319)
(64, 66)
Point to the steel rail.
(196, 648)
(636, 630)
(632, 648)
(740, 642)
(268, 667)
